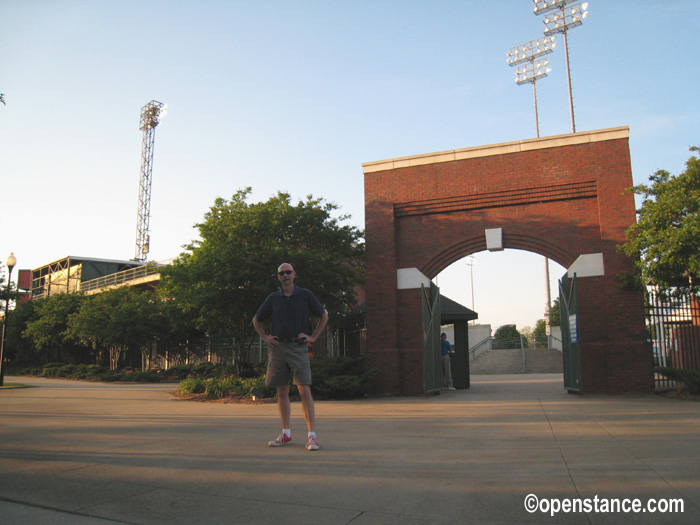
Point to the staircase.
(510, 361)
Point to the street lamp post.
(11, 262)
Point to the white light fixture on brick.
(494, 239)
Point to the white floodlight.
(532, 72)
(564, 15)
(567, 18)
(545, 6)
(531, 50)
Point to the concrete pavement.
(93, 453)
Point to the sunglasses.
(286, 272)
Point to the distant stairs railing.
(120, 278)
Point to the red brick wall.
(559, 201)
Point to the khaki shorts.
(288, 359)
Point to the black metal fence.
(673, 325)
(350, 341)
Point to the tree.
(7, 291)
(17, 346)
(664, 243)
(555, 313)
(225, 275)
(115, 320)
(48, 331)
(176, 329)
(540, 331)
(507, 336)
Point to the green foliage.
(507, 336)
(333, 378)
(176, 326)
(17, 347)
(506, 331)
(48, 329)
(206, 370)
(192, 385)
(342, 377)
(221, 388)
(257, 383)
(663, 244)
(6, 290)
(216, 389)
(179, 372)
(120, 317)
(144, 376)
(689, 378)
(555, 313)
(540, 331)
(224, 276)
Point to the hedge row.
(333, 378)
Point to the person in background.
(446, 349)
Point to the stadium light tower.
(530, 71)
(562, 15)
(151, 114)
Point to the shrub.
(205, 370)
(342, 377)
(248, 371)
(110, 376)
(234, 385)
(93, 370)
(179, 371)
(217, 389)
(689, 378)
(343, 387)
(192, 385)
(51, 370)
(258, 383)
(146, 376)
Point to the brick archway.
(473, 245)
(561, 197)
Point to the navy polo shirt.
(290, 315)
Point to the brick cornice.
(498, 149)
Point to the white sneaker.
(312, 444)
(282, 440)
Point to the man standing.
(290, 310)
(446, 349)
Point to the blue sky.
(295, 96)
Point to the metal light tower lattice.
(563, 15)
(524, 56)
(151, 114)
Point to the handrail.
(491, 343)
(482, 346)
(118, 278)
